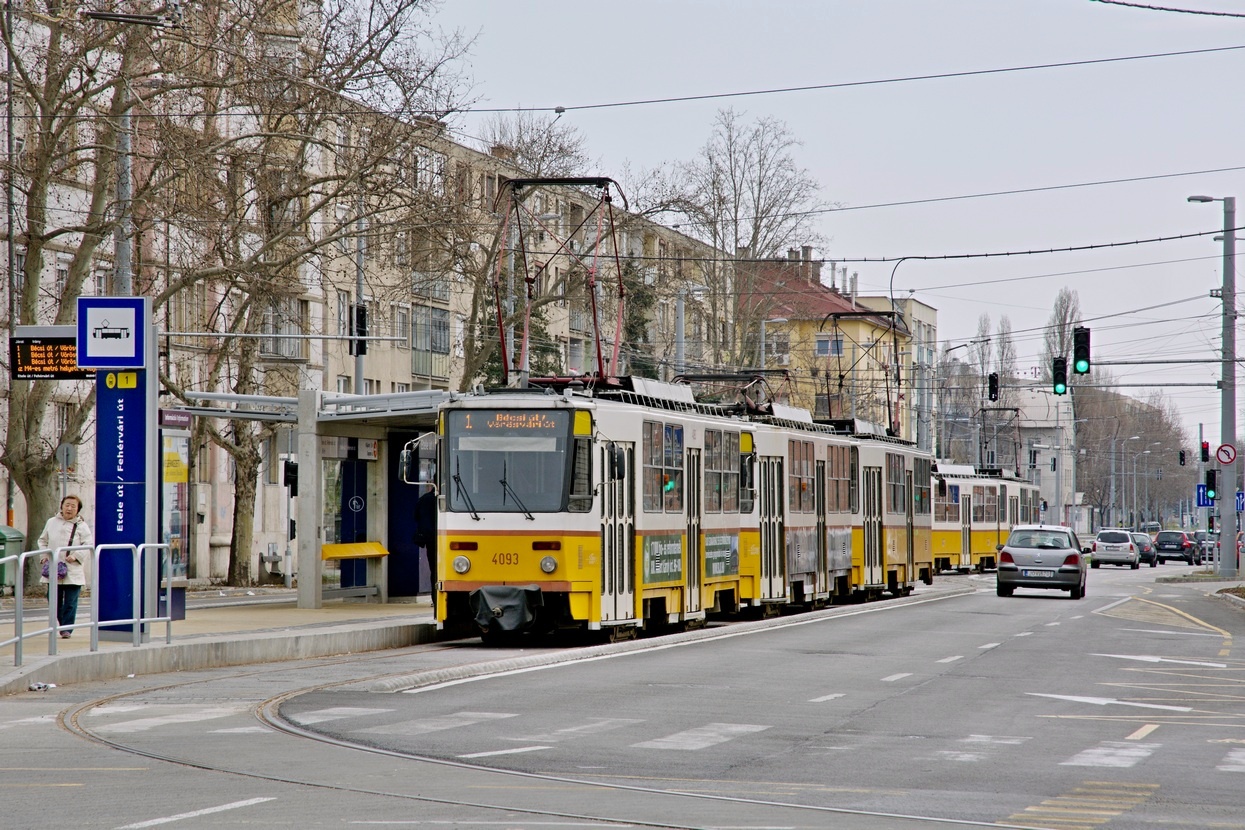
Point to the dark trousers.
(67, 603)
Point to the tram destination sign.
(45, 353)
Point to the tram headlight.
(548, 564)
(461, 564)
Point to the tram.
(629, 505)
(974, 511)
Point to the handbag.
(62, 568)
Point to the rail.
(136, 621)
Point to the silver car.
(1042, 556)
(1115, 546)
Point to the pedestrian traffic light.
(1211, 481)
(358, 343)
(993, 386)
(1205, 451)
(1080, 350)
(1059, 375)
(1182, 458)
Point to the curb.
(218, 652)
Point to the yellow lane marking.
(74, 769)
(5, 785)
(1091, 804)
(1198, 622)
(1142, 732)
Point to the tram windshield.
(507, 461)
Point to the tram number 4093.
(505, 559)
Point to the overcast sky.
(879, 144)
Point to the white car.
(1114, 546)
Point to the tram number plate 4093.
(505, 559)
(1038, 574)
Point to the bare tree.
(744, 194)
(240, 174)
(1057, 339)
(540, 145)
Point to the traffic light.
(1205, 452)
(1182, 458)
(291, 476)
(992, 384)
(359, 329)
(1211, 481)
(1059, 375)
(1080, 350)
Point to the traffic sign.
(1226, 454)
(1202, 500)
(1240, 501)
(112, 332)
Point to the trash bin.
(14, 543)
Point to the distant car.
(1041, 556)
(1206, 544)
(1114, 546)
(1151, 529)
(1174, 544)
(1145, 549)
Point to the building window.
(343, 312)
(829, 347)
(343, 384)
(402, 325)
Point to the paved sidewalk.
(241, 628)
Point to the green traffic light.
(1061, 388)
(1210, 494)
(1082, 366)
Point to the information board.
(45, 353)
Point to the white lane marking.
(1234, 761)
(1103, 701)
(241, 730)
(514, 751)
(1025, 634)
(1048, 625)
(1142, 732)
(1148, 659)
(1005, 740)
(824, 698)
(951, 659)
(114, 708)
(594, 727)
(965, 757)
(423, 727)
(143, 724)
(1109, 606)
(1162, 631)
(1112, 754)
(895, 677)
(335, 713)
(25, 721)
(196, 813)
(990, 645)
(702, 736)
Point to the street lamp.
(763, 322)
(1113, 476)
(1227, 401)
(1135, 457)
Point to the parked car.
(1114, 546)
(1206, 543)
(1145, 549)
(1041, 556)
(1174, 544)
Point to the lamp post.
(1135, 457)
(1227, 402)
(1113, 517)
(763, 322)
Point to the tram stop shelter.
(352, 503)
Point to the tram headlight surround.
(548, 564)
(461, 564)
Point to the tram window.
(663, 467)
(838, 470)
(895, 489)
(979, 504)
(673, 486)
(800, 475)
(747, 482)
(653, 467)
(581, 477)
(992, 505)
(921, 484)
(1003, 503)
(713, 471)
(730, 472)
(947, 504)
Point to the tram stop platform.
(223, 627)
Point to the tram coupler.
(505, 607)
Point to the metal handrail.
(137, 620)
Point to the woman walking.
(66, 529)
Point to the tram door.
(966, 528)
(910, 573)
(773, 557)
(1013, 518)
(822, 582)
(875, 565)
(693, 548)
(618, 538)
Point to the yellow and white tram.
(632, 505)
(974, 511)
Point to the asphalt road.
(1119, 710)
